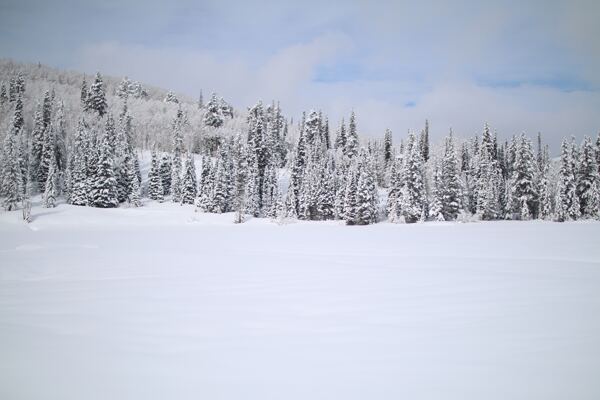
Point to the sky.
(521, 66)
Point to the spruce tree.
(413, 190)
(189, 188)
(424, 142)
(588, 181)
(78, 182)
(96, 98)
(450, 181)
(523, 191)
(12, 180)
(567, 202)
(104, 188)
(213, 115)
(165, 173)
(351, 146)
(51, 186)
(155, 187)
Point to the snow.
(160, 302)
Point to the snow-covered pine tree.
(544, 189)
(340, 138)
(326, 194)
(412, 195)
(96, 98)
(366, 193)
(424, 142)
(567, 202)
(351, 147)
(450, 181)
(178, 151)
(51, 186)
(213, 115)
(78, 191)
(189, 187)
(350, 201)
(12, 180)
(588, 181)
(83, 94)
(155, 187)
(523, 192)
(104, 187)
(48, 156)
(387, 147)
(437, 193)
(166, 173)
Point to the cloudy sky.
(520, 65)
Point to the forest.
(79, 139)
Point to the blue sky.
(520, 65)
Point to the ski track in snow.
(161, 302)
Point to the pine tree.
(155, 187)
(567, 202)
(424, 142)
(104, 188)
(412, 195)
(96, 98)
(366, 195)
(189, 188)
(51, 186)
(387, 147)
(12, 180)
(350, 201)
(213, 116)
(48, 156)
(78, 182)
(588, 181)
(135, 196)
(84, 95)
(450, 181)
(165, 173)
(523, 191)
(436, 207)
(351, 147)
(341, 138)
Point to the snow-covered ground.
(162, 303)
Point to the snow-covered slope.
(160, 302)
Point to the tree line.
(261, 170)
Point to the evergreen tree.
(350, 201)
(48, 156)
(567, 202)
(424, 142)
(189, 188)
(351, 147)
(213, 115)
(104, 188)
(84, 95)
(387, 146)
(96, 98)
(78, 182)
(165, 173)
(523, 191)
(51, 186)
(366, 195)
(436, 207)
(12, 180)
(412, 195)
(450, 181)
(341, 138)
(588, 181)
(155, 186)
